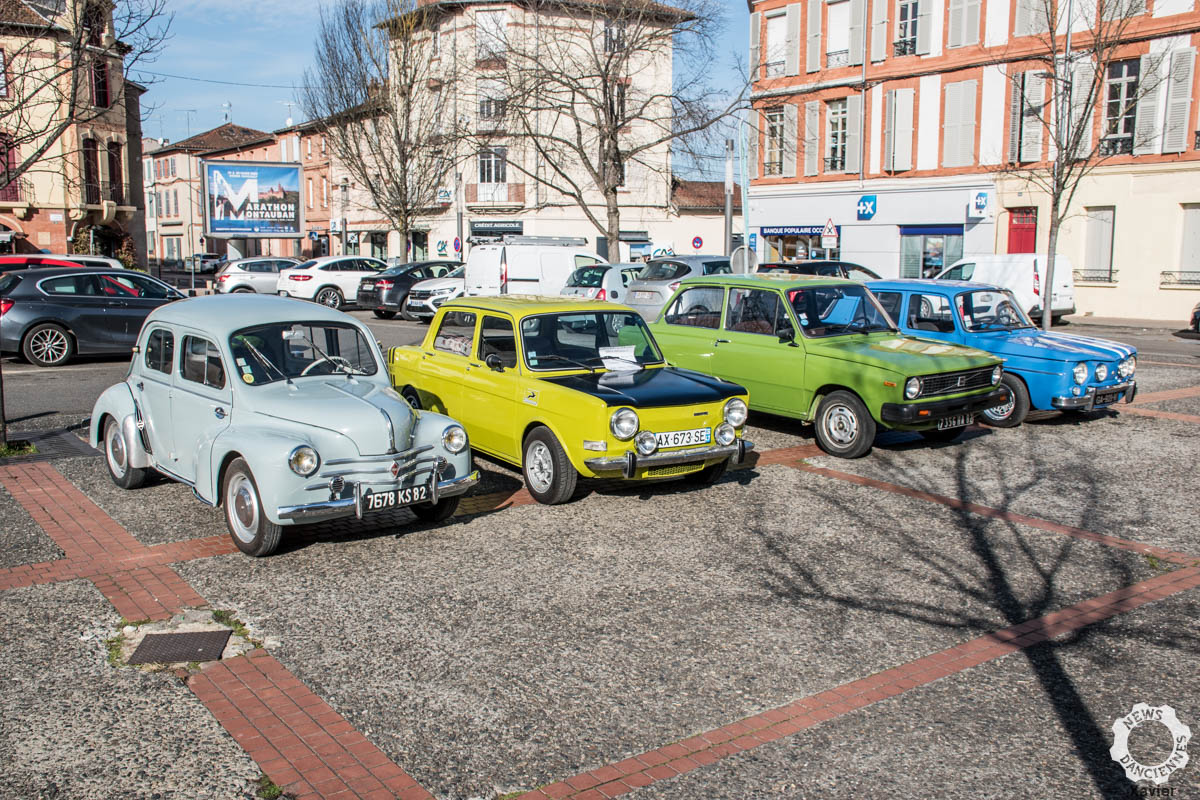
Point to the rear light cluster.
(382, 285)
(223, 278)
(602, 294)
(300, 277)
(674, 286)
(1037, 281)
(5, 305)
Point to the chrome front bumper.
(631, 462)
(1086, 402)
(352, 506)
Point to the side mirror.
(493, 362)
(787, 336)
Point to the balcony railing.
(1112, 146)
(773, 167)
(1179, 278)
(1096, 275)
(19, 190)
(1197, 143)
(905, 47)
(835, 164)
(838, 58)
(95, 193)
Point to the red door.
(1022, 230)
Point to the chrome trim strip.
(329, 509)
(385, 457)
(1087, 401)
(674, 457)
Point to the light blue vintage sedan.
(281, 412)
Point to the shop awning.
(931, 230)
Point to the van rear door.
(483, 270)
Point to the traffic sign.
(829, 236)
(697, 243)
(457, 244)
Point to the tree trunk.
(614, 225)
(3, 415)
(1048, 286)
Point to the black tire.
(844, 426)
(941, 437)
(381, 314)
(116, 458)
(251, 531)
(404, 315)
(412, 396)
(48, 345)
(440, 511)
(329, 296)
(549, 475)
(243, 290)
(1014, 411)
(709, 475)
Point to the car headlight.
(1080, 373)
(304, 461)
(646, 443)
(454, 439)
(996, 373)
(725, 434)
(443, 291)
(624, 423)
(1127, 366)
(736, 412)
(912, 388)
(1101, 371)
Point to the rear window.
(663, 271)
(305, 265)
(587, 277)
(718, 268)
(8, 282)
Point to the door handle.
(477, 366)
(720, 341)
(219, 412)
(140, 386)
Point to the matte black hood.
(651, 388)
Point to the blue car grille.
(955, 382)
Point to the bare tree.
(1058, 89)
(385, 104)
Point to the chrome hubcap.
(241, 507)
(49, 345)
(116, 450)
(1004, 411)
(539, 467)
(841, 425)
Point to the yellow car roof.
(523, 305)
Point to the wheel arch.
(572, 453)
(828, 389)
(219, 488)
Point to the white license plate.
(684, 438)
(644, 295)
(958, 421)
(396, 498)
(282, 293)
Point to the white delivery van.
(1024, 274)
(526, 265)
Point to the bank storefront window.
(925, 250)
(796, 243)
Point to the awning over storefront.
(634, 236)
(496, 227)
(931, 230)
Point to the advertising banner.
(248, 200)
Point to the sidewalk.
(1125, 322)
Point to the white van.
(526, 265)
(1024, 275)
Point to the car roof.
(221, 314)
(942, 286)
(770, 280)
(691, 258)
(33, 258)
(522, 305)
(37, 273)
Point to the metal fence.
(1179, 278)
(1096, 275)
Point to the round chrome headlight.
(1127, 366)
(912, 388)
(624, 423)
(304, 461)
(996, 373)
(1101, 371)
(736, 412)
(725, 434)
(1080, 373)
(646, 443)
(454, 439)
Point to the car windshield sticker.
(248, 378)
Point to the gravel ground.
(1014, 727)
(510, 650)
(1184, 405)
(22, 541)
(47, 422)
(76, 727)
(1155, 378)
(1123, 475)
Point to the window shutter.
(879, 30)
(954, 36)
(966, 126)
(1032, 17)
(755, 126)
(1021, 22)
(971, 22)
(902, 139)
(951, 122)
(1179, 100)
(1032, 105)
(1082, 100)
(812, 136)
(854, 108)
(792, 58)
(1015, 93)
(790, 123)
(812, 60)
(889, 130)
(858, 28)
(1146, 120)
(1116, 9)
(755, 46)
(1099, 239)
(924, 28)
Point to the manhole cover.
(165, 648)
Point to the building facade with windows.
(913, 124)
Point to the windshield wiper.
(338, 363)
(557, 357)
(856, 327)
(266, 362)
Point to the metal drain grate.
(166, 648)
(50, 445)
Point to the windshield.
(593, 340)
(458, 273)
(991, 310)
(285, 350)
(835, 310)
(587, 277)
(663, 271)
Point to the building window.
(175, 200)
(116, 174)
(837, 25)
(435, 43)
(493, 165)
(172, 166)
(614, 36)
(835, 135)
(308, 148)
(310, 193)
(100, 94)
(324, 144)
(94, 24)
(1120, 107)
(616, 103)
(773, 157)
(10, 188)
(925, 253)
(776, 45)
(489, 35)
(1097, 262)
(906, 30)
(325, 192)
(492, 102)
(3, 74)
(91, 172)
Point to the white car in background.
(602, 281)
(327, 280)
(425, 297)
(257, 274)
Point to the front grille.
(955, 382)
(420, 294)
(672, 470)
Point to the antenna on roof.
(289, 104)
(187, 112)
(228, 111)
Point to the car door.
(496, 390)
(153, 389)
(262, 275)
(201, 405)
(443, 366)
(76, 301)
(691, 326)
(134, 296)
(749, 351)
(930, 316)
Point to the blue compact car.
(1042, 371)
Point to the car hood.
(902, 354)
(1053, 346)
(358, 409)
(433, 284)
(650, 388)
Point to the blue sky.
(269, 42)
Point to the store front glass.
(925, 250)
(796, 243)
(379, 246)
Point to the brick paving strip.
(1158, 397)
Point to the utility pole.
(729, 197)
(462, 243)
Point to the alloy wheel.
(540, 469)
(50, 345)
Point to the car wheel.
(381, 314)
(549, 475)
(709, 475)
(1012, 412)
(330, 297)
(412, 396)
(252, 532)
(935, 435)
(405, 315)
(243, 290)
(844, 426)
(48, 345)
(116, 458)
(436, 512)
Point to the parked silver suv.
(257, 274)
